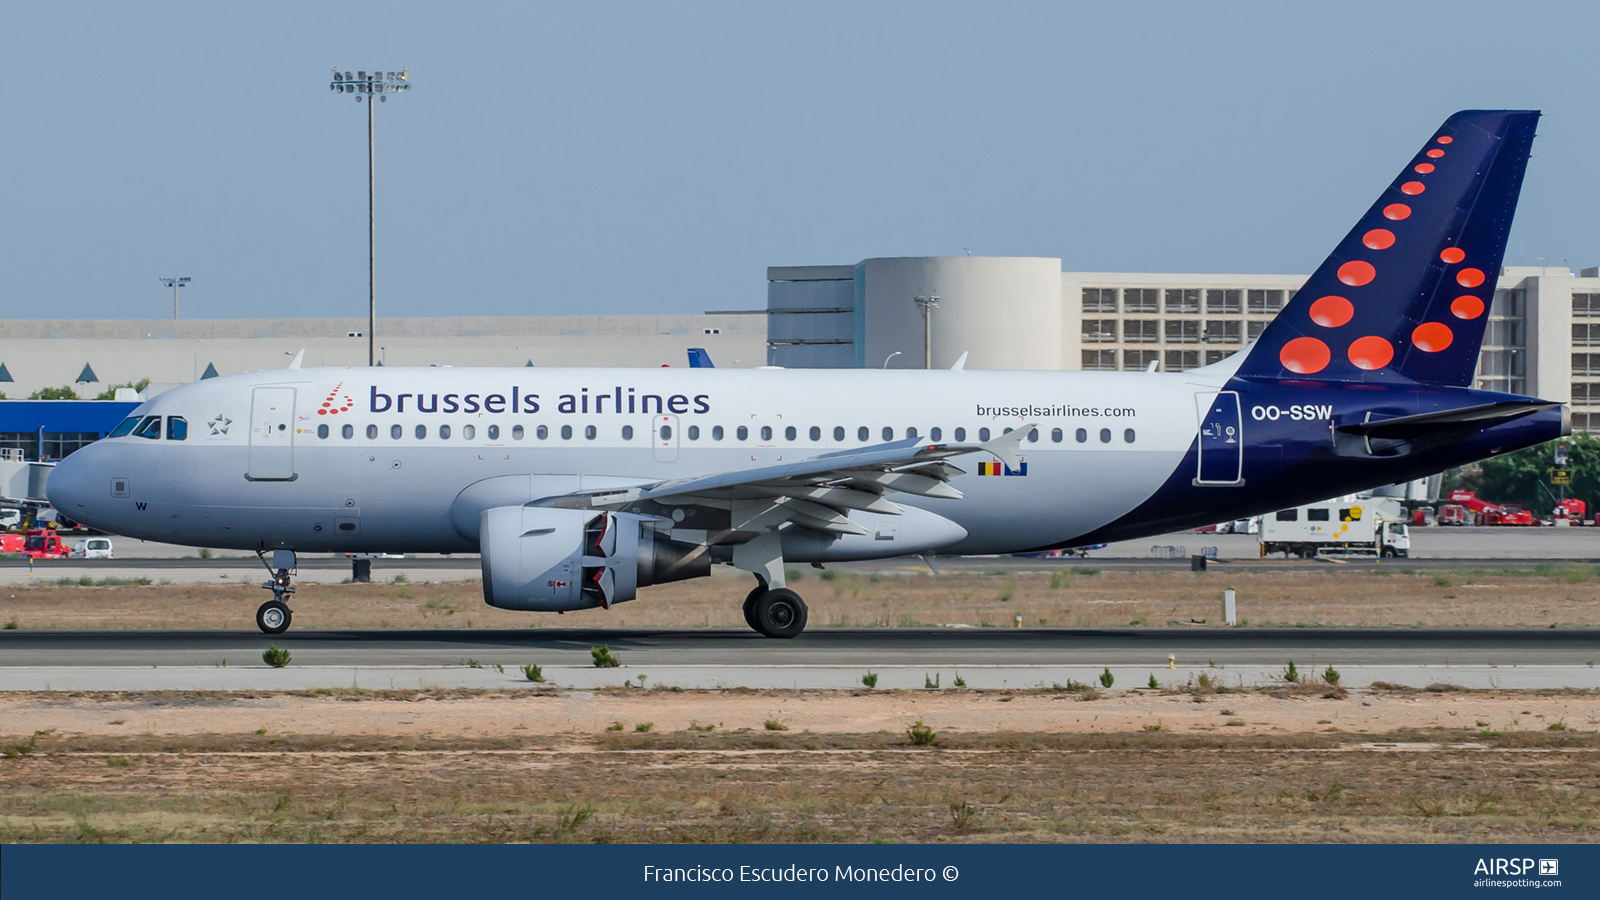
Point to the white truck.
(1348, 526)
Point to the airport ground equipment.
(1485, 512)
(45, 543)
(1351, 526)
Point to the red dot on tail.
(1435, 153)
(1305, 356)
(1469, 277)
(1378, 239)
(1446, 139)
(1466, 306)
(1357, 273)
(322, 412)
(1452, 254)
(1422, 168)
(1396, 211)
(1331, 311)
(1412, 187)
(1432, 336)
(1371, 352)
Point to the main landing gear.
(274, 615)
(775, 612)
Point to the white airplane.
(578, 487)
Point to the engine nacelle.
(540, 558)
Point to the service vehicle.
(44, 543)
(92, 548)
(1346, 527)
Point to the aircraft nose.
(67, 486)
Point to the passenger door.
(1221, 439)
(272, 434)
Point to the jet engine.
(540, 558)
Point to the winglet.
(295, 363)
(1008, 446)
(961, 364)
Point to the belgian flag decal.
(997, 468)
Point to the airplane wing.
(818, 492)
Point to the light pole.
(370, 85)
(928, 305)
(175, 283)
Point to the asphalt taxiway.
(832, 658)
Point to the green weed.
(275, 656)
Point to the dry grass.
(764, 787)
(1544, 597)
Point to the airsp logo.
(1515, 867)
(1549, 867)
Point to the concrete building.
(1023, 313)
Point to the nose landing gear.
(274, 616)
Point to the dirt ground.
(1549, 595)
(1288, 764)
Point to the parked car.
(92, 548)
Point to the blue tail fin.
(1406, 294)
(700, 359)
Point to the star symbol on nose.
(220, 424)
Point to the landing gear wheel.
(274, 617)
(779, 613)
(750, 606)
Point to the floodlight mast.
(175, 283)
(371, 84)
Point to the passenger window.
(516, 432)
(862, 433)
(178, 428)
(666, 432)
(983, 434)
(1055, 435)
(421, 431)
(888, 433)
(541, 432)
(743, 433)
(935, 435)
(444, 431)
(961, 435)
(1316, 515)
(372, 432)
(1082, 435)
(716, 432)
(911, 434)
(694, 432)
(566, 432)
(627, 432)
(1127, 435)
(150, 428)
(395, 432)
(588, 432)
(815, 433)
(348, 431)
(1105, 435)
(766, 432)
(322, 431)
(468, 432)
(1288, 515)
(123, 427)
(789, 433)
(1033, 436)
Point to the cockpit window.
(177, 428)
(125, 426)
(149, 428)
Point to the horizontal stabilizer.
(1469, 418)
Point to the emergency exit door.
(272, 434)
(1221, 439)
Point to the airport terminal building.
(1543, 335)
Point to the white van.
(10, 518)
(92, 548)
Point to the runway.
(823, 658)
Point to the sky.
(655, 157)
